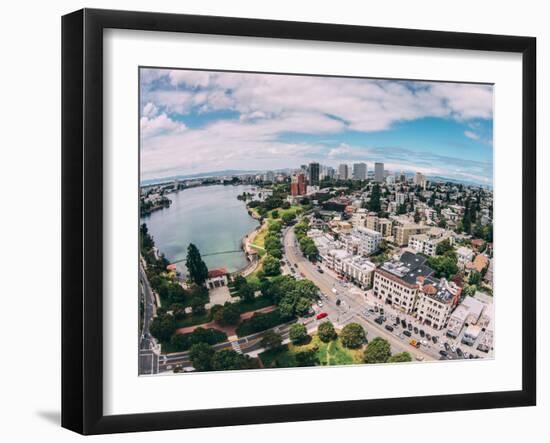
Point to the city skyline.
(193, 122)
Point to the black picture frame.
(82, 215)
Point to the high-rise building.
(343, 171)
(298, 184)
(420, 180)
(379, 172)
(359, 171)
(269, 176)
(314, 174)
(330, 172)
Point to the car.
(321, 315)
(379, 320)
(415, 330)
(414, 343)
(434, 339)
(410, 327)
(319, 303)
(407, 333)
(334, 291)
(419, 357)
(403, 324)
(389, 328)
(397, 320)
(428, 336)
(422, 333)
(447, 347)
(443, 353)
(338, 302)
(424, 342)
(459, 352)
(453, 348)
(320, 270)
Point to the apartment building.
(464, 256)
(436, 301)
(403, 233)
(359, 270)
(382, 225)
(362, 241)
(427, 243)
(396, 282)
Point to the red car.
(321, 315)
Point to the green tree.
(227, 360)
(198, 272)
(326, 332)
(228, 314)
(298, 334)
(271, 266)
(353, 336)
(443, 247)
(197, 305)
(308, 248)
(201, 356)
(271, 340)
(400, 357)
(274, 214)
(378, 351)
(442, 223)
(163, 326)
(475, 278)
(288, 217)
(374, 201)
(246, 292)
(307, 358)
(444, 266)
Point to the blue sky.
(199, 121)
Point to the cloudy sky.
(197, 121)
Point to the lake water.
(211, 217)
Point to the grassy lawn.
(332, 353)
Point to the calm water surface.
(211, 217)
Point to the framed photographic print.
(311, 220)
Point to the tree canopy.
(378, 351)
(198, 272)
(326, 332)
(353, 336)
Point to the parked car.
(447, 347)
(422, 333)
(415, 330)
(320, 303)
(320, 270)
(414, 343)
(428, 336)
(443, 353)
(379, 320)
(434, 339)
(407, 333)
(321, 315)
(389, 328)
(403, 324)
(410, 327)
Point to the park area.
(316, 353)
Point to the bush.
(228, 314)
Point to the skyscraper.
(314, 174)
(359, 171)
(420, 180)
(379, 172)
(343, 171)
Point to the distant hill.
(154, 181)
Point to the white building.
(426, 243)
(362, 241)
(359, 270)
(464, 256)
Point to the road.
(148, 348)
(352, 308)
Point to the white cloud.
(158, 125)
(471, 134)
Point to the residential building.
(420, 180)
(402, 233)
(396, 282)
(400, 198)
(298, 184)
(382, 225)
(427, 243)
(362, 241)
(359, 171)
(479, 264)
(437, 300)
(359, 270)
(464, 256)
(379, 172)
(467, 312)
